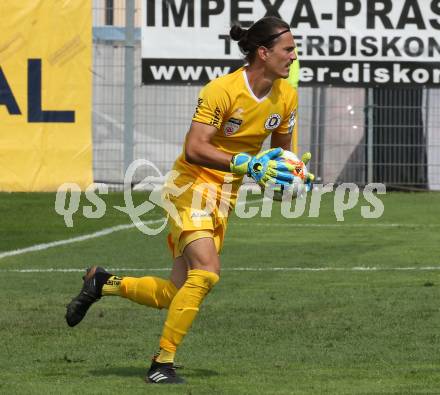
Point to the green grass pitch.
(272, 325)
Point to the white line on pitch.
(344, 225)
(241, 269)
(94, 235)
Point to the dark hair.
(263, 32)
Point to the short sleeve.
(290, 110)
(212, 105)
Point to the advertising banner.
(45, 94)
(340, 42)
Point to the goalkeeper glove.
(310, 177)
(265, 168)
(306, 156)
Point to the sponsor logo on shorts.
(200, 214)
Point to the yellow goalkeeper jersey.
(242, 120)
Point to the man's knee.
(201, 254)
(203, 278)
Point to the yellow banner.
(45, 94)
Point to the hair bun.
(237, 33)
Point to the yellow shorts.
(200, 211)
(178, 242)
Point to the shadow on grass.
(127, 371)
(197, 373)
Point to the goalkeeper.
(234, 115)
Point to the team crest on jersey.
(231, 126)
(273, 121)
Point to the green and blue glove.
(265, 168)
(310, 177)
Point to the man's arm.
(283, 140)
(200, 151)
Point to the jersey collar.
(246, 81)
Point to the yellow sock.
(112, 286)
(165, 356)
(185, 306)
(150, 291)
